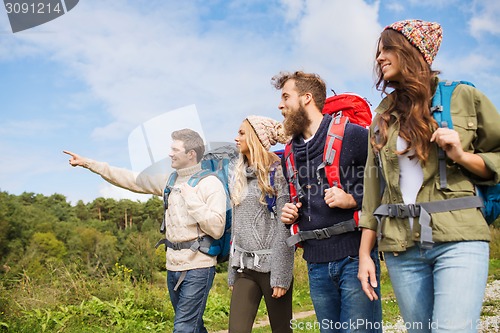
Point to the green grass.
(66, 300)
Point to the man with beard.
(332, 256)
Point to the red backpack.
(350, 105)
(344, 108)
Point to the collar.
(189, 171)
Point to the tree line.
(37, 231)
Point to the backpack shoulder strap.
(331, 152)
(168, 188)
(197, 177)
(291, 173)
(271, 199)
(441, 112)
(441, 102)
(166, 192)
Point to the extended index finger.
(68, 152)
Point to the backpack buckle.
(322, 233)
(413, 210)
(398, 211)
(175, 246)
(403, 211)
(436, 108)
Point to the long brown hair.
(410, 98)
(261, 161)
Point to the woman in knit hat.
(436, 254)
(261, 264)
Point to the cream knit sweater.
(206, 209)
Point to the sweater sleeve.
(487, 143)
(129, 180)
(282, 255)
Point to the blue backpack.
(441, 112)
(217, 163)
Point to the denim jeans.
(339, 302)
(441, 289)
(190, 299)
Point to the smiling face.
(180, 157)
(389, 63)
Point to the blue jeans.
(339, 302)
(442, 289)
(190, 299)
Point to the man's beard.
(296, 122)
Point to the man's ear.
(192, 155)
(308, 98)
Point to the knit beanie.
(269, 131)
(425, 36)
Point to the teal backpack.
(217, 163)
(441, 112)
(488, 198)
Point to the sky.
(89, 79)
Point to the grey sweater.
(254, 229)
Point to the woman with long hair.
(261, 264)
(436, 254)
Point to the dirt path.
(489, 323)
(265, 321)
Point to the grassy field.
(70, 301)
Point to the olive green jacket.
(477, 122)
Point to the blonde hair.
(260, 159)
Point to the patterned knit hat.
(425, 36)
(269, 131)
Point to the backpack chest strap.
(254, 254)
(423, 211)
(201, 244)
(324, 233)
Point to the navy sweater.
(315, 213)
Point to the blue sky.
(84, 81)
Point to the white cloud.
(434, 3)
(293, 8)
(143, 64)
(395, 6)
(485, 18)
(480, 69)
(464, 65)
(338, 38)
